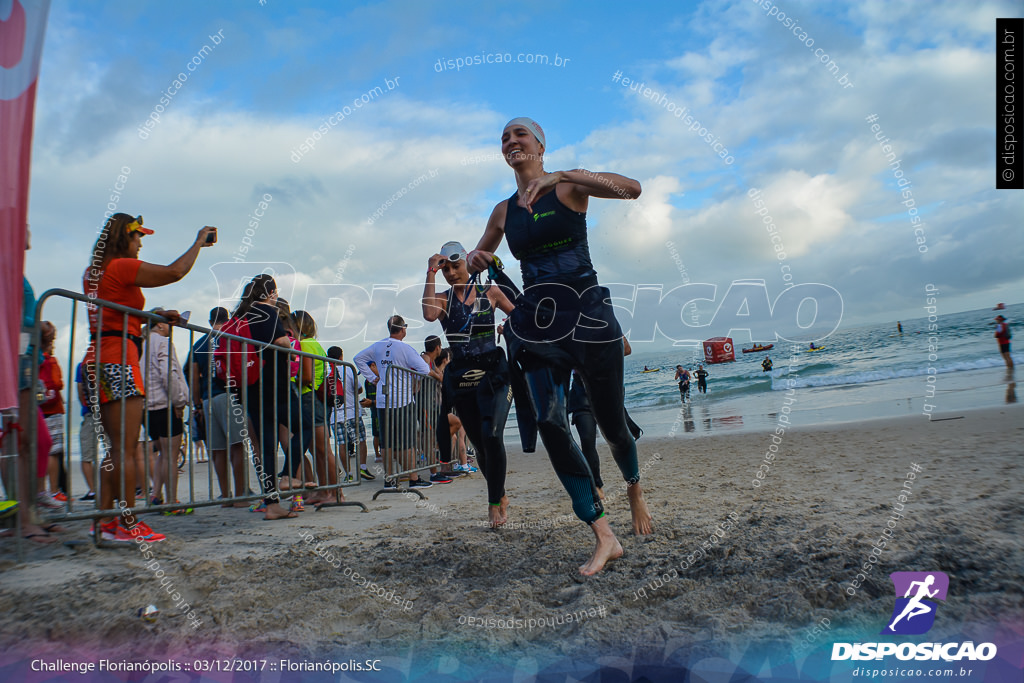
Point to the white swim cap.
(531, 125)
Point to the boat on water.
(650, 370)
(816, 348)
(758, 347)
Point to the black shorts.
(157, 428)
(374, 421)
(1004, 348)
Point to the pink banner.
(22, 25)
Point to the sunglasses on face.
(135, 225)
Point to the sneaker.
(89, 496)
(469, 450)
(44, 499)
(440, 479)
(390, 484)
(452, 474)
(60, 497)
(420, 484)
(180, 511)
(143, 531)
(365, 474)
(108, 532)
(8, 508)
(466, 469)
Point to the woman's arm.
(152, 275)
(179, 385)
(499, 300)
(434, 306)
(483, 256)
(306, 376)
(576, 187)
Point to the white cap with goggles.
(453, 251)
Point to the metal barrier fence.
(236, 404)
(411, 407)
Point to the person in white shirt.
(166, 393)
(347, 416)
(395, 403)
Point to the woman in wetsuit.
(564, 321)
(476, 383)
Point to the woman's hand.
(434, 262)
(172, 317)
(536, 187)
(202, 239)
(478, 261)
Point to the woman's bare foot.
(607, 549)
(32, 533)
(497, 515)
(332, 497)
(642, 522)
(285, 484)
(275, 511)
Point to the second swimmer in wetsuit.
(476, 382)
(702, 379)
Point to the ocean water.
(862, 373)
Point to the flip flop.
(49, 539)
(53, 528)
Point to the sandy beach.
(453, 597)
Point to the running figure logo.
(914, 615)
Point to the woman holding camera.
(116, 274)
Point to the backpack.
(232, 362)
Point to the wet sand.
(456, 598)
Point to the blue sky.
(226, 139)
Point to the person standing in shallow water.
(544, 222)
(1003, 335)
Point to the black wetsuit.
(684, 385)
(702, 381)
(582, 416)
(564, 321)
(476, 384)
